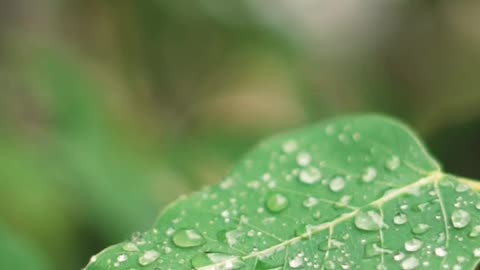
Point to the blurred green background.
(111, 109)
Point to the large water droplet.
(420, 228)
(148, 257)
(130, 247)
(122, 258)
(441, 252)
(460, 218)
(410, 263)
(188, 238)
(393, 163)
(277, 203)
(476, 252)
(290, 146)
(400, 219)
(369, 221)
(369, 175)
(296, 262)
(475, 231)
(413, 245)
(303, 159)
(310, 175)
(310, 202)
(399, 256)
(337, 184)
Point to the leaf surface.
(350, 193)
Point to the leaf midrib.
(432, 177)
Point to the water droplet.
(310, 175)
(460, 218)
(334, 244)
(400, 219)
(369, 175)
(188, 238)
(413, 245)
(290, 146)
(277, 203)
(420, 228)
(475, 231)
(477, 205)
(122, 258)
(421, 207)
(410, 263)
(375, 249)
(337, 184)
(441, 252)
(399, 256)
(220, 260)
(303, 159)
(393, 163)
(93, 259)
(296, 262)
(369, 221)
(462, 188)
(130, 247)
(310, 202)
(476, 252)
(148, 257)
(441, 237)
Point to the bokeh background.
(111, 109)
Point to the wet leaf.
(350, 193)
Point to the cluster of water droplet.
(276, 204)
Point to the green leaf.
(350, 193)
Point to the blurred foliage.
(111, 109)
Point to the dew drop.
(399, 256)
(296, 262)
(400, 219)
(413, 245)
(475, 231)
(410, 263)
(460, 218)
(148, 257)
(476, 252)
(122, 258)
(369, 175)
(332, 245)
(393, 163)
(420, 228)
(461, 188)
(303, 159)
(337, 184)
(277, 203)
(310, 202)
(130, 247)
(290, 146)
(93, 259)
(369, 221)
(441, 252)
(188, 238)
(310, 175)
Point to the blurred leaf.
(17, 254)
